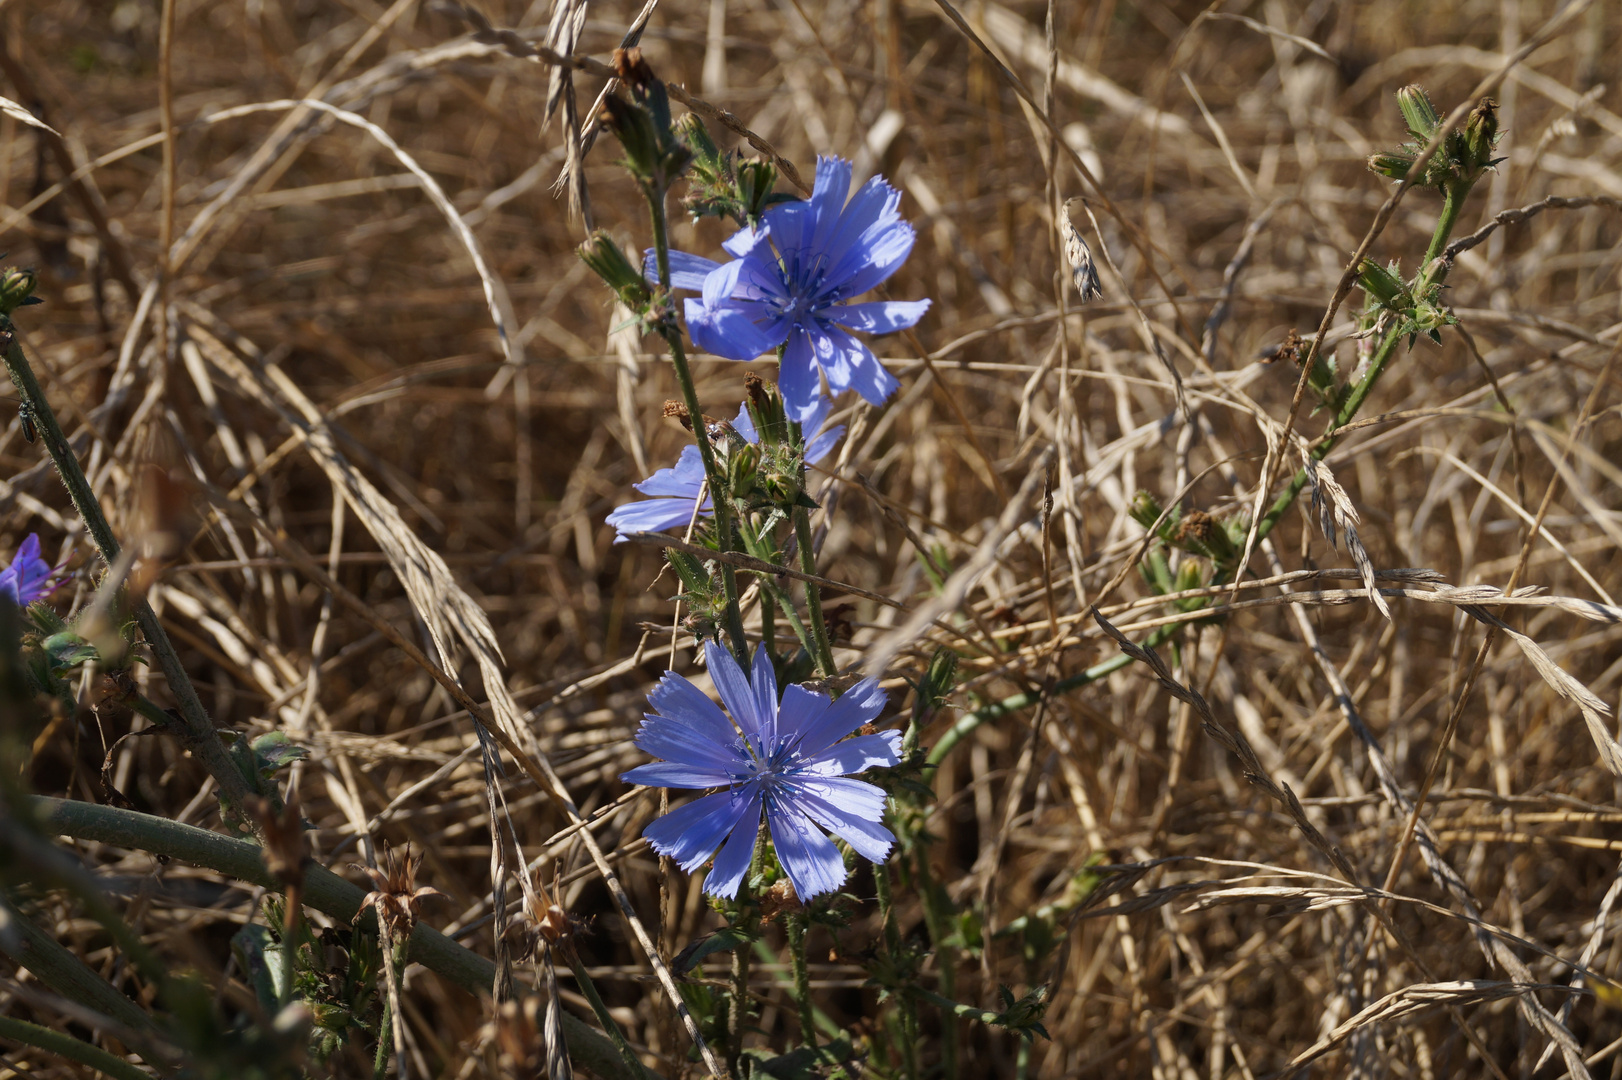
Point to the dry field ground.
(314, 401)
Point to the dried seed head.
(1083, 272)
(397, 896)
(780, 899)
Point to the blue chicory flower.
(785, 759)
(826, 252)
(28, 577)
(676, 489)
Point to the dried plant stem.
(199, 735)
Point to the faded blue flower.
(790, 283)
(676, 489)
(28, 577)
(786, 760)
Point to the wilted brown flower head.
(397, 895)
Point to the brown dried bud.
(679, 411)
(780, 899)
(1196, 525)
(285, 851)
(631, 69)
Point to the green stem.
(796, 925)
(324, 891)
(824, 652)
(786, 603)
(385, 1035)
(689, 393)
(905, 1003)
(200, 737)
(738, 1007)
(1430, 273)
(66, 1046)
(937, 918)
(588, 990)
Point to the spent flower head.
(789, 760)
(397, 896)
(790, 284)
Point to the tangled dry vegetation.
(319, 389)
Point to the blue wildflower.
(784, 759)
(826, 252)
(28, 577)
(675, 490)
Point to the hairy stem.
(905, 1004)
(200, 737)
(824, 653)
(796, 925)
(689, 393)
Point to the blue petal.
(803, 710)
(28, 577)
(797, 377)
(727, 331)
(736, 693)
(720, 283)
(819, 447)
(877, 317)
(690, 834)
(652, 515)
(851, 810)
(695, 745)
(746, 239)
(871, 261)
(855, 707)
(733, 861)
(875, 208)
(764, 684)
(678, 699)
(852, 365)
(686, 271)
(877, 751)
(672, 775)
(791, 225)
(681, 480)
(744, 425)
(810, 858)
(828, 200)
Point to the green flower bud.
(1418, 111)
(16, 289)
(1384, 285)
(1392, 163)
(608, 262)
(690, 129)
(1145, 509)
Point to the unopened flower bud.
(609, 263)
(1391, 163)
(16, 289)
(1382, 284)
(1418, 111)
(1145, 509)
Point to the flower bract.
(788, 760)
(790, 282)
(28, 577)
(676, 490)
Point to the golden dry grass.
(330, 265)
